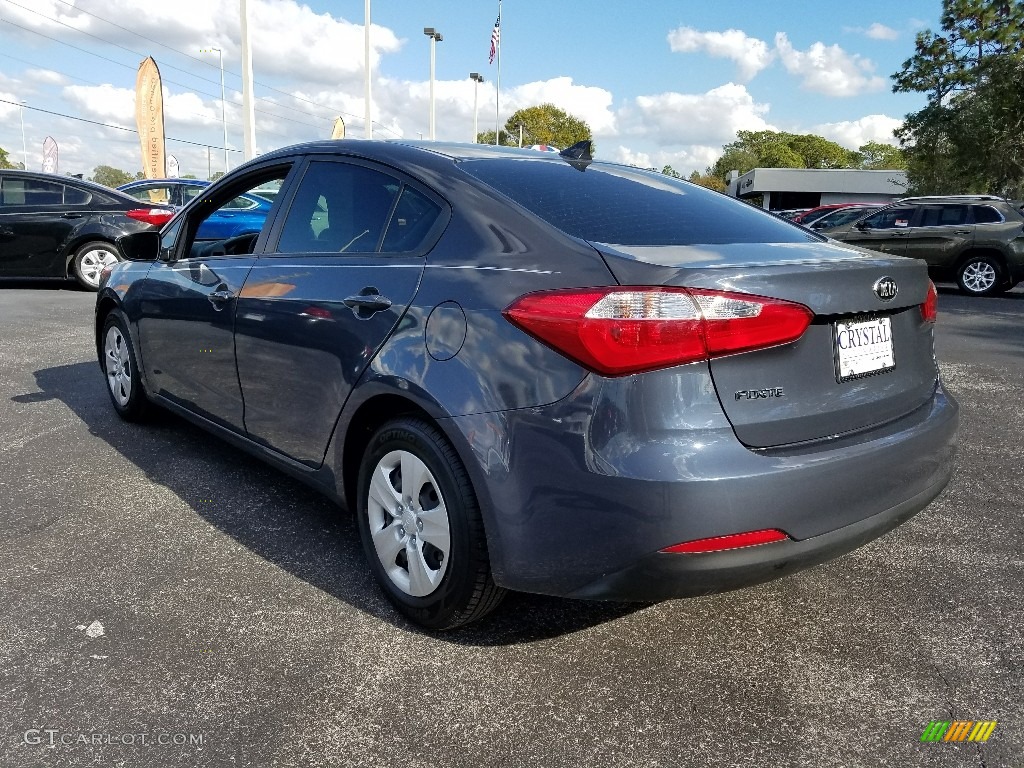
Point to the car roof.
(73, 181)
(56, 177)
(140, 182)
(953, 199)
(401, 148)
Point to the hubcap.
(118, 365)
(409, 523)
(979, 276)
(93, 262)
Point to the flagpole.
(497, 83)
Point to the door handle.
(71, 215)
(367, 302)
(218, 297)
(962, 231)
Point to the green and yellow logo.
(958, 730)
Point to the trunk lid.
(812, 388)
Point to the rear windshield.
(627, 206)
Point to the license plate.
(863, 347)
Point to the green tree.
(543, 124)
(969, 137)
(708, 180)
(111, 177)
(216, 175)
(876, 156)
(775, 149)
(5, 161)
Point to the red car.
(809, 217)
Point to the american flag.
(495, 39)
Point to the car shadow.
(282, 520)
(41, 283)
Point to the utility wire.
(333, 112)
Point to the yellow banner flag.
(149, 117)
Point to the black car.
(60, 226)
(534, 371)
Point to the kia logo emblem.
(886, 288)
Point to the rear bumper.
(580, 497)
(665, 576)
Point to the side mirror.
(862, 225)
(140, 246)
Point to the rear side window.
(156, 194)
(943, 216)
(413, 219)
(338, 208)
(619, 205)
(986, 214)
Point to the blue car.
(239, 216)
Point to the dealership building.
(786, 188)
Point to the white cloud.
(588, 103)
(712, 118)
(876, 32)
(45, 77)
(881, 32)
(828, 69)
(853, 134)
(748, 53)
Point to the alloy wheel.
(979, 277)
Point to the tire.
(121, 370)
(426, 548)
(981, 276)
(90, 260)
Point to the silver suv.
(977, 240)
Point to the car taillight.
(155, 216)
(930, 308)
(621, 330)
(722, 543)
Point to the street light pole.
(435, 37)
(24, 146)
(477, 78)
(248, 106)
(223, 103)
(366, 52)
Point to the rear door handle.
(367, 302)
(962, 231)
(71, 215)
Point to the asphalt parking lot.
(170, 601)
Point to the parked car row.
(534, 371)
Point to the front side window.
(209, 234)
(890, 218)
(338, 208)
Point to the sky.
(660, 82)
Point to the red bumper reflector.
(930, 308)
(732, 541)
